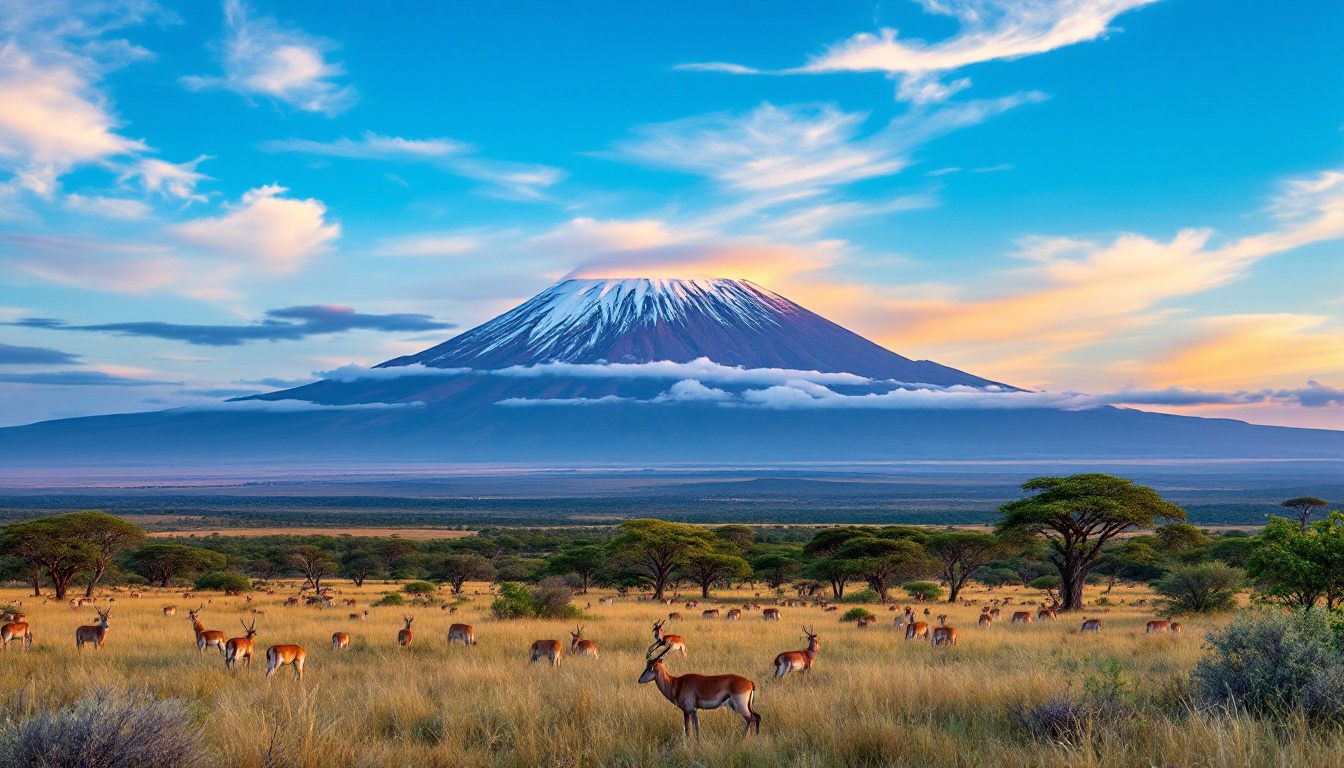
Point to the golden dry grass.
(414, 534)
(873, 699)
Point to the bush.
(1049, 585)
(854, 614)
(1205, 588)
(106, 730)
(224, 582)
(997, 577)
(551, 599)
(863, 596)
(1067, 718)
(392, 598)
(1271, 663)
(923, 590)
(419, 588)
(513, 602)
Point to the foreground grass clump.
(872, 699)
(107, 729)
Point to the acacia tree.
(1304, 507)
(359, 563)
(107, 536)
(775, 569)
(655, 548)
(961, 553)
(50, 544)
(832, 570)
(1078, 514)
(582, 560)
(161, 562)
(1299, 568)
(883, 562)
(459, 569)
(709, 567)
(740, 536)
(314, 563)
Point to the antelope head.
(651, 661)
(102, 616)
(811, 635)
(658, 628)
(942, 619)
(252, 630)
(577, 633)
(408, 620)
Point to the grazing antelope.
(798, 661)
(986, 620)
(404, 636)
(943, 634)
(673, 642)
(691, 693)
(1158, 626)
(712, 613)
(1092, 625)
(17, 630)
(340, 641)
(240, 647)
(170, 610)
(464, 632)
(205, 638)
(580, 647)
(1046, 613)
(1175, 628)
(995, 613)
(95, 633)
(916, 629)
(674, 615)
(734, 614)
(548, 648)
(278, 656)
(1021, 617)
(865, 621)
(770, 614)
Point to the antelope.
(580, 647)
(240, 647)
(1046, 613)
(734, 614)
(170, 610)
(943, 634)
(464, 632)
(292, 601)
(770, 614)
(205, 638)
(1021, 617)
(404, 636)
(798, 661)
(830, 608)
(1092, 625)
(995, 613)
(549, 648)
(986, 620)
(17, 630)
(916, 629)
(691, 693)
(278, 656)
(674, 615)
(340, 641)
(95, 633)
(673, 642)
(1175, 628)
(712, 613)
(1158, 626)
(606, 601)
(865, 621)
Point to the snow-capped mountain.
(645, 320)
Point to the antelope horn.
(651, 658)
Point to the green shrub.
(1205, 588)
(863, 596)
(854, 614)
(513, 602)
(418, 588)
(224, 582)
(548, 600)
(923, 590)
(392, 598)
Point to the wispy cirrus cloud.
(288, 324)
(262, 57)
(519, 180)
(989, 30)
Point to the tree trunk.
(94, 577)
(36, 572)
(704, 590)
(953, 589)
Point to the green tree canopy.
(359, 564)
(108, 535)
(655, 548)
(775, 569)
(834, 571)
(53, 545)
(740, 536)
(1076, 516)
(883, 562)
(709, 567)
(1202, 588)
(1304, 507)
(314, 563)
(161, 562)
(960, 554)
(457, 570)
(583, 560)
(1297, 568)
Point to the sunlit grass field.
(873, 698)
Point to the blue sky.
(1102, 196)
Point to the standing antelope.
(169, 610)
(17, 630)
(340, 641)
(95, 633)
(1158, 626)
(278, 656)
(734, 614)
(799, 661)
(464, 632)
(986, 619)
(580, 647)
(916, 629)
(691, 693)
(205, 638)
(943, 634)
(1175, 627)
(548, 648)
(240, 647)
(673, 642)
(712, 613)
(1046, 613)
(1092, 625)
(770, 614)
(404, 636)
(1021, 617)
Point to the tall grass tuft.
(106, 729)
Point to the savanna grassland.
(873, 698)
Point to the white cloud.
(263, 58)
(168, 179)
(352, 372)
(266, 229)
(701, 369)
(693, 391)
(109, 207)
(296, 406)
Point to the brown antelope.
(865, 621)
(95, 633)
(1021, 617)
(734, 614)
(916, 629)
(712, 613)
(1092, 625)
(170, 610)
(278, 656)
(340, 641)
(292, 601)
(674, 615)
(830, 608)
(798, 661)
(358, 617)
(205, 638)
(1175, 628)
(673, 642)
(986, 620)
(995, 613)
(580, 647)
(17, 630)
(770, 614)
(1158, 626)
(548, 648)
(464, 632)
(240, 647)
(943, 634)
(1046, 613)
(606, 601)
(404, 636)
(691, 693)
